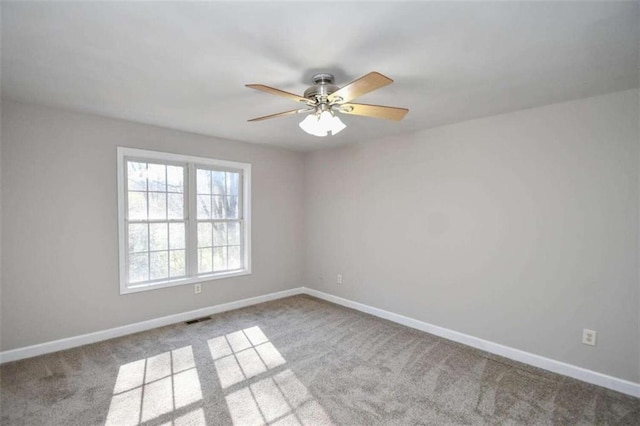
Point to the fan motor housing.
(323, 87)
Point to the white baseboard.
(589, 376)
(85, 339)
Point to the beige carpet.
(295, 361)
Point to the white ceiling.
(184, 65)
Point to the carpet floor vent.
(193, 321)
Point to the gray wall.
(59, 223)
(521, 229)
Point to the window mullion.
(192, 221)
(146, 194)
(124, 245)
(241, 217)
(166, 212)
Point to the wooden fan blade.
(375, 111)
(281, 114)
(278, 92)
(368, 83)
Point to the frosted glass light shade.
(323, 124)
(311, 125)
(333, 123)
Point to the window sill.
(182, 281)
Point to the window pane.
(175, 179)
(205, 260)
(220, 234)
(204, 207)
(156, 173)
(219, 258)
(234, 257)
(138, 267)
(158, 238)
(219, 185)
(159, 265)
(204, 234)
(176, 263)
(137, 176)
(176, 206)
(204, 181)
(137, 206)
(138, 237)
(232, 183)
(232, 207)
(176, 235)
(157, 205)
(218, 207)
(233, 230)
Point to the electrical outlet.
(339, 279)
(197, 288)
(589, 337)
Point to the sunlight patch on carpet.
(155, 386)
(278, 398)
(243, 354)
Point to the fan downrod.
(323, 78)
(323, 86)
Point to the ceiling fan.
(324, 99)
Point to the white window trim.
(122, 154)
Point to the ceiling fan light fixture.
(324, 100)
(311, 125)
(321, 124)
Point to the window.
(182, 219)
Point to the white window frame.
(191, 162)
